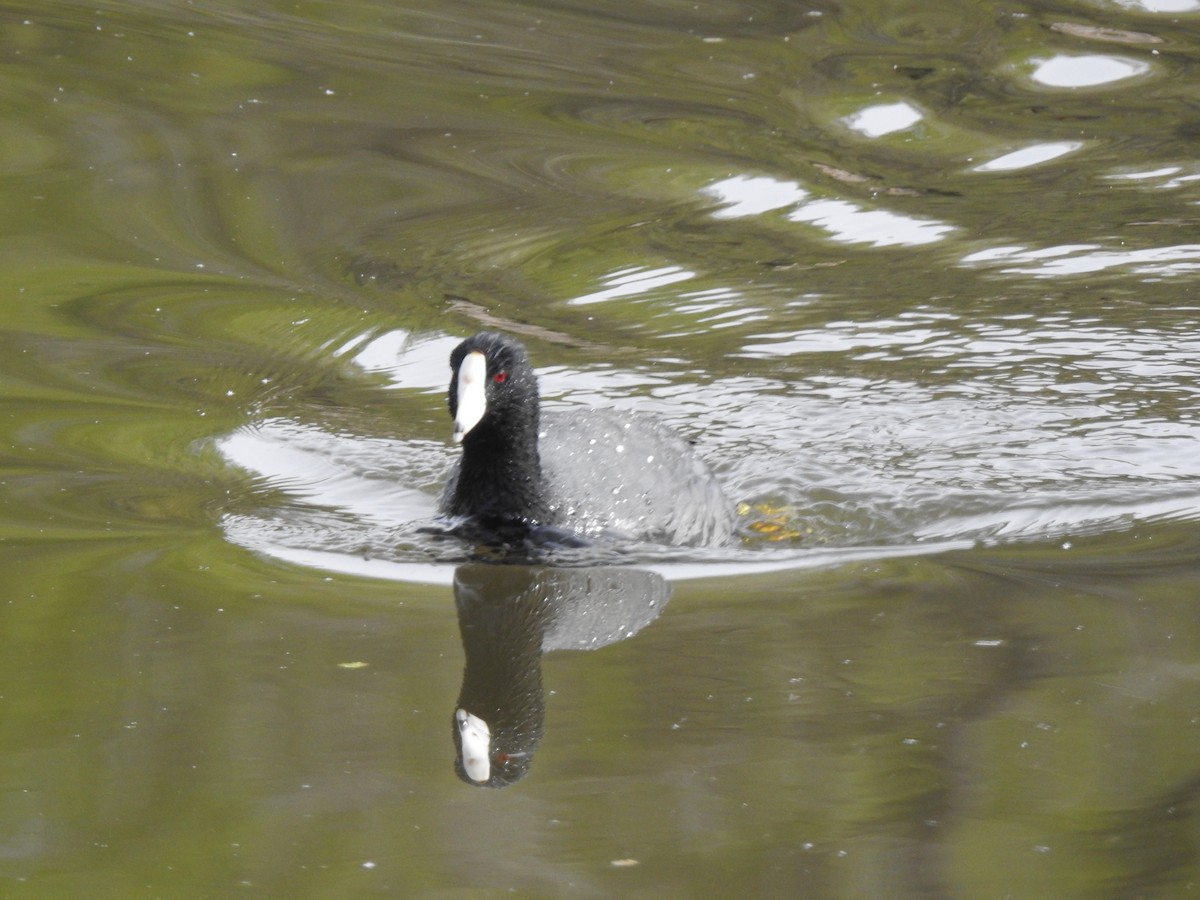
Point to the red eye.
(500, 377)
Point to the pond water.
(917, 279)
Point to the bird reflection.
(510, 615)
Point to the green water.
(237, 243)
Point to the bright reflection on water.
(841, 219)
(1085, 71)
(631, 282)
(1081, 259)
(743, 195)
(1161, 6)
(848, 222)
(1173, 177)
(884, 118)
(1029, 156)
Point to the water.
(916, 278)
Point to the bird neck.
(501, 475)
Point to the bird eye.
(500, 377)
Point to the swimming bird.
(591, 472)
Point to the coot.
(591, 472)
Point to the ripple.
(717, 308)
(670, 218)
(1017, 427)
(1042, 521)
(408, 361)
(384, 482)
(632, 281)
(1083, 259)
(842, 337)
(1168, 178)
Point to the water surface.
(916, 278)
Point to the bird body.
(591, 472)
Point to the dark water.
(918, 279)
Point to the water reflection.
(849, 223)
(1079, 259)
(1161, 6)
(631, 282)
(1029, 156)
(884, 118)
(508, 616)
(745, 195)
(1175, 176)
(843, 220)
(1069, 71)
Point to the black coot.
(591, 472)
